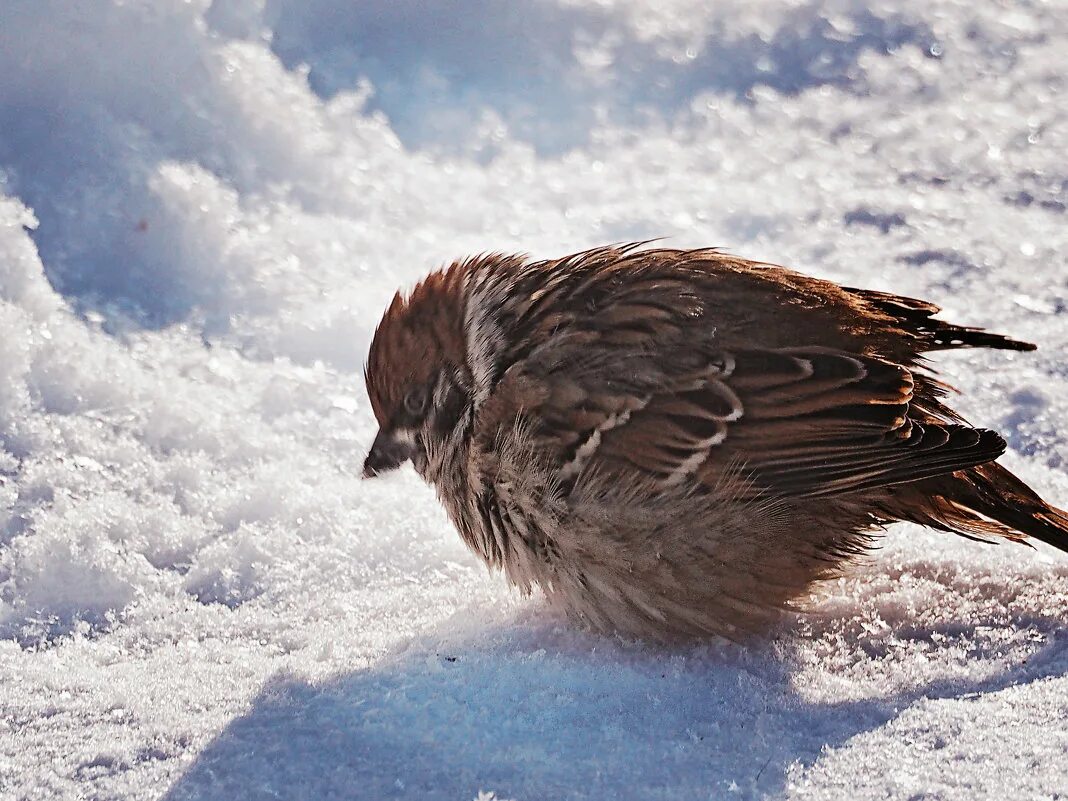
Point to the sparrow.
(679, 444)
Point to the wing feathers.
(795, 422)
(950, 449)
(603, 394)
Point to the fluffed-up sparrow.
(676, 444)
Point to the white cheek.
(441, 393)
(405, 435)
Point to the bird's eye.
(415, 402)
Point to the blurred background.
(204, 207)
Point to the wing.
(794, 422)
(683, 365)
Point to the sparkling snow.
(204, 207)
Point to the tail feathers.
(986, 501)
(917, 318)
(1050, 527)
(946, 336)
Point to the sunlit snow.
(204, 207)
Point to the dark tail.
(983, 501)
(917, 318)
(993, 491)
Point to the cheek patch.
(451, 405)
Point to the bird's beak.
(387, 453)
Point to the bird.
(678, 445)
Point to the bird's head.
(417, 378)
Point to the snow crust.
(204, 206)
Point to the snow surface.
(204, 207)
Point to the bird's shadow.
(533, 709)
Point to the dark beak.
(387, 453)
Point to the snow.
(204, 207)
